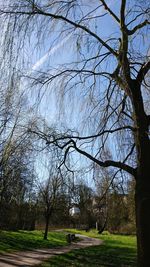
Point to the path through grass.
(116, 251)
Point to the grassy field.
(27, 240)
(117, 251)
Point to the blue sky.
(45, 53)
(54, 55)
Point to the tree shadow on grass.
(98, 256)
(10, 241)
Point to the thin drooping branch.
(138, 15)
(77, 71)
(38, 11)
(130, 153)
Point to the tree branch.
(72, 144)
(65, 137)
(38, 11)
(78, 71)
(142, 72)
(110, 11)
(124, 45)
(122, 14)
(139, 26)
(107, 163)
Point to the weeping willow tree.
(95, 54)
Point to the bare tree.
(49, 191)
(112, 73)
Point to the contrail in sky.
(55, 48)
(51, 52)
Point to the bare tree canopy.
(102, 72)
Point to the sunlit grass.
(26, 240)
(116, 250)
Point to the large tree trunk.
(142, 197)
(142, 190)
(143, 224)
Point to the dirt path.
(35, 257)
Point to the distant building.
(74, 211)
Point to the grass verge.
(116, 251)
(28, 240)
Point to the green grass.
(27, 240)
(116, 250)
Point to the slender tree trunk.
(47, 217)
(104, 226)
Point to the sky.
(64, 51)
(58, 53)
(54, 51)
(49, 53)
